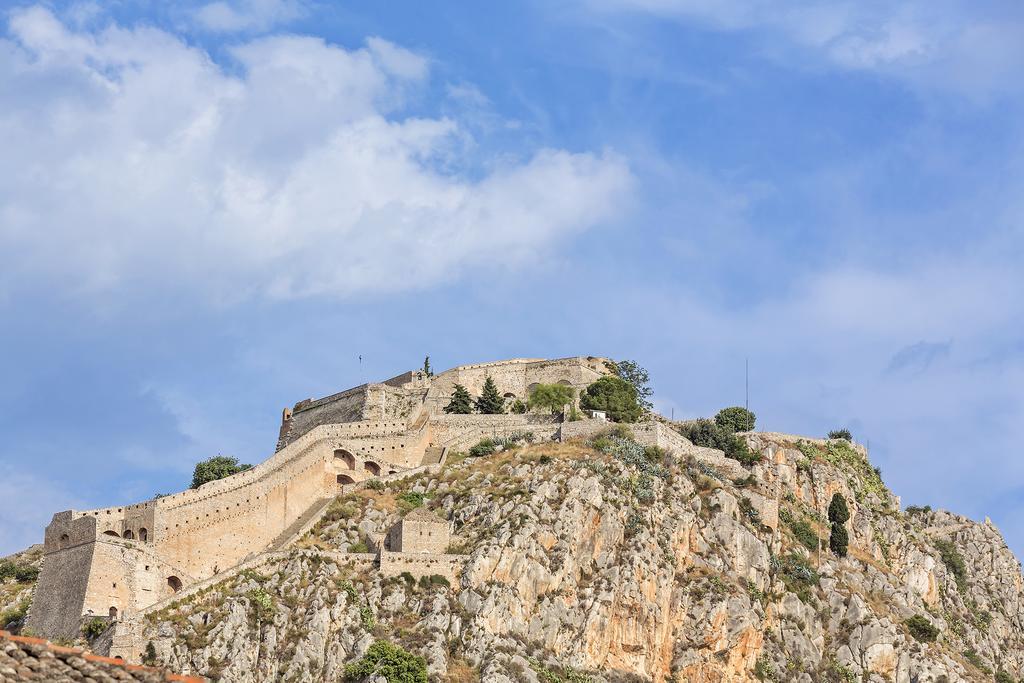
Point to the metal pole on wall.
(746, 383)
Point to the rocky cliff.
(605, 561)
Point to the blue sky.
(209, 212)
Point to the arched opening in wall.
(113, 614)
(111, 532)
(509, 394)
(63, 540)
(174, 583)
(392, 472)
(372, 467)
(129, 535)
(345, 479)
(346, 457)
(143, 535)
(565, 382)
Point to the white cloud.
(247, 15)
(132, 159)
(956, 46)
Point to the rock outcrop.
(624, 564)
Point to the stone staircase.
(432, 455)
(306, 520)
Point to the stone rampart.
(462, 431)
(418, 564)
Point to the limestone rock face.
(587, 565)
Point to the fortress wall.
(582, 429)
(462, 431)
(514, 377)
(126, 578)
(57, 602)
(417, 564)
(346, 406)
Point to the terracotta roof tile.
(23, 658)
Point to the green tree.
(215, 468)
(632, 372)
(551, 396)
(390, 661)
(461, 403)
(841, 434)
(838, 514)
(737, 418)
(706, 433)
(615, 396)
(490, 401)
(149, 658)
(426, 367)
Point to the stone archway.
(112, 613)
(143, 535)
(345, 457)
(372, 467)
(129, 535)
(111, 532)
(63, 541)
(344, 479)
(174, 583)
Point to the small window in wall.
(129, 535)
(111, 532)
(113, 614)
(143, 535)
(64, 540)
(174, 583)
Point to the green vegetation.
(13, 616)
(22, 573)
(461, 403)
(1002, 676)
(712, 435)
(551, 396)
(838, 515)
(490, 401)
(954, 562)
(434, 580)
(359, 547)
(736, 419)
(410, 500)
(390, 661)
(215, 468)
(637, 377)
(263, 604)
(92, 628)
(426, 367)
(923, 630)
(518, 407)
(802, 531)
(763, 669)
(483, 447)
(976, 661)
(615, 396)
(796, 573)
(149, 658)
(918, 510)
(841, 434)
(568, 675)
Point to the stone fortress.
(120, 562)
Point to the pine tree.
(461, 403)
(426, 367)
(490, 401)
(838, 514)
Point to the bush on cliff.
(923, 630)
(553, 397)
(390, 661)
(461, 403)
(736, 419)
(215, 468)
(615, 396)
(841, 434)
(490, 401)
(712, 435)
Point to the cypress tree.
(490, 401)
(838, 514)
(461, 403)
